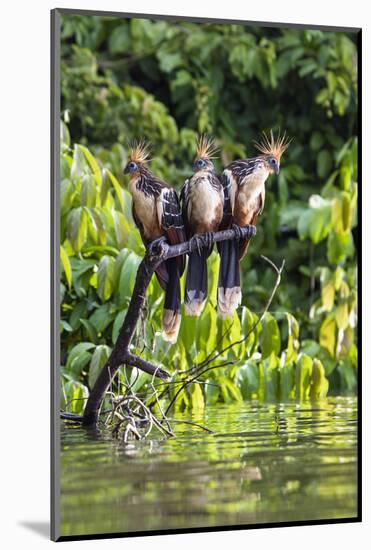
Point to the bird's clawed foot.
(238, 231)
(209, 239)
(195, 242)
(156, 248)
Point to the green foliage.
(167, 81)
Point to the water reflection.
(264, 463)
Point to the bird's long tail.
(196, 283)
(171, 314)
(229, 284)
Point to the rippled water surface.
(264, 463)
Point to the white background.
(24, 270)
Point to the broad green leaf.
(79, 312)
(97, 219)
(211, 392)
(67, 192)
(105, 188)
(64, 136)
(119, 40)
(122, 229)
(73, 396)
(188, 331)
(99, 359)
(310, 347)
(339, 247)
(269, 370)
(207, 329)
(248, 380)
(102, 317)
(337, 215)
(320, 383)
(328, 295)
(106, 277)
(92, 163)
(270, 339)
(88, 192)
(76, 351)
(119, 262)
(342, 316)
(320, 223)
(197, 398)
(286, 381)
(117, 187)
(66, 266)
(247, 324)
(90, 330)
(77, 228)
(327, 335)
(229, 390)
(304, 224)
(303, 376)
(65, 326)
(79, 363)
(346, 211)
(127, 277)
(183, 400)
(213, 275)
(117, 324)
(316, 141)
(138, 379)
(229, 332)
(348, 376)
(79, 165)
(324, 163)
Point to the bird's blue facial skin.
(199, 164)
(131, 167)
(274, 164)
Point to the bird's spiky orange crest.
(139, 151)
(206, 148)
(271, 146)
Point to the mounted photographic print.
(204, 279)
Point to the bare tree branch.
(121, 354)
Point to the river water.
(264, 463)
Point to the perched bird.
(202, 204)
(244, 193)
(157, 214)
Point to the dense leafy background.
(168, 81)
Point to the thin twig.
(259, 320)
(191, 380)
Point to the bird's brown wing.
(184, 200)
(229, 184)
(171, 220)
(139, 226)
(161, 271)
(254, 217)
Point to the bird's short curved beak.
(126, 169)
(277, 169)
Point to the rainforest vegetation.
(169, 81)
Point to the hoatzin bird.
(244, 192)
(157, 214)
(202, 204)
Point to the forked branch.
(121, 354)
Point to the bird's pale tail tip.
(228, 301)
(170, 325)
(194, 308)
